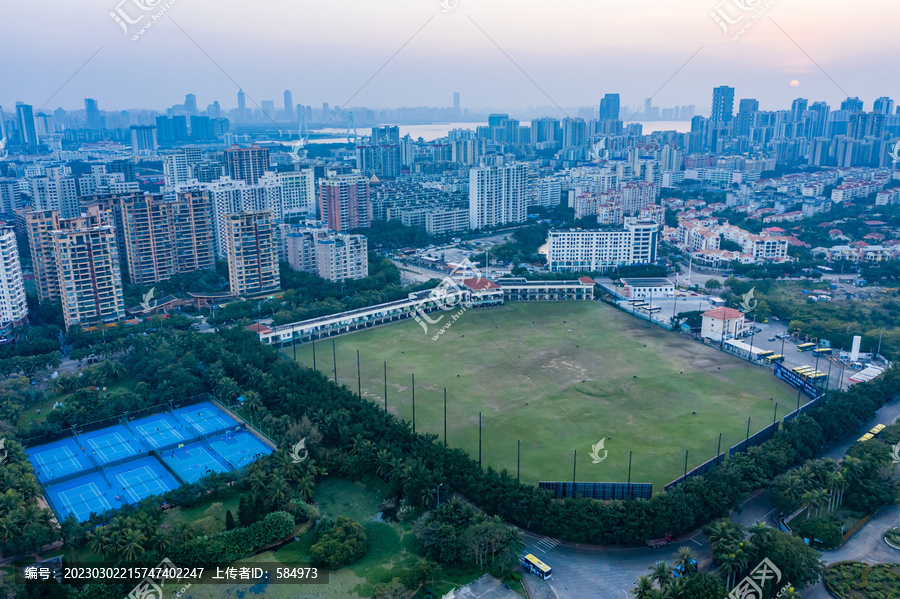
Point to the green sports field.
(561, 376)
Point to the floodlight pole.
(358, 376)
(314, 352)
(294, 344)
(385, 386)
(574, 465)
(828, 378)
(414, 401)
(334, 358)
(719, 450)
(747, 441)
(479, 439)
(445, 416)
(629, 467)
(518, 457)
(685, 465)
(775, 419)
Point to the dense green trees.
(339, 542)
(23, 525)
(458, 533)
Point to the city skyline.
(507, 56)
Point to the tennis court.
(82, 496)
(240, 448)
(140, 479)
(111, 444)
(159, 431)
(193, 462)
(57, 459)
(205, 418)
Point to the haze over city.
(575, 51)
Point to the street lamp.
(439, 494)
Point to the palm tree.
(130, 544)
(661, 573)
(644, 588)
(793, 486)
(278, 490)
(257, 482)
(685, 561)
(852, 467)
(98, 541)
(306, 487)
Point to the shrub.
(340, 543)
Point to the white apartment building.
(720, 324)
(341, 257)
(497, 195)
(440, 222)
(546, 192)
(176, 169)
(598, 251)
(56, 193)
(10, 199)
(13, 305)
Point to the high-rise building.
(748, 105)
(143, 139)
(247, 164)
(545, 130)
(288, 105)
(252, 250)
(382, 159)
(241, 105)
(166, 237)
(13, 305)
(883, 105)
(201, 128)
(497, 120)
(176, 168)
(340, 257)
(387, 134)
(820, 111)
(574, 131)
(344, 202)
(722, 104)
(853, 104)
(93, 119)
(56, 191)
(25, 122)
(609, 108)
(497, 195)
(77, 261)
(190, 103)
(798, 107)
(10, 198)
(456, 101)
(599, 251)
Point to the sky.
(499, 54)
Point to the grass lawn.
(46, 407)
(560, 377)
(390, 545)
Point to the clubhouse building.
(450, 295)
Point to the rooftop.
(724, 313)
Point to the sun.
(795, 83)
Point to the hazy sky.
(325, 51)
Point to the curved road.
(597, 571)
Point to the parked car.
(771, 338)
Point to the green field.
(560, 377)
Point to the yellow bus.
(816, 376)
(806, 346)
(823, 351)
(765, 354)
(536, 566)
(773, 359)
(801, 370)
(866, 437)
(877, 429)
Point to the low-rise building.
(721, 324)
(648, 288)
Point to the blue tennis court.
(193, 462)
(111, 444)
(240, 448)
(159, 431)
(139, 479)
(57, 459)
(205, 418)
(82, 496)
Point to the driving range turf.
(561, 376)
